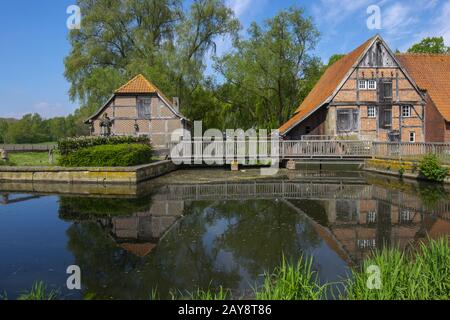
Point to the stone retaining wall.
(107, 175)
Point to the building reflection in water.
(355, 217)
(186, 236)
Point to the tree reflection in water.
(177, 243)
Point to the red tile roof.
(431, 72)
(326, 86)
(138, 84)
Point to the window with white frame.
(362, 84)
(412, 136)
(372, 85)
(371, 112)
(406, 111)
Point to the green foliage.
(33, 129)
(431, 168)
(267, 70)
(432, 194)
(162, 39)
(70, 145)
(119, 155)
(433, 45)
(421, 275)
(39, 292)
(401, 171)
(4, 125)
(292, 282)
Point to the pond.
(206, 228)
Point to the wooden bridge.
(253, 151)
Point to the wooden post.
(50, 156)
(4, 154)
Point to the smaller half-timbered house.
(140, 108)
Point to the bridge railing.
(413, 151)
(230, 149)
(299, 149)
(318, 137)
(326, 148)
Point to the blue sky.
(34, 42)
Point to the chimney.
(176, 104)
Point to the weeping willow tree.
(159, 38)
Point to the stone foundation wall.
(108, 175)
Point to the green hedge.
(120, 155)
(70, 145)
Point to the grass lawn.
(30, 159)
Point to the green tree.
(434, 45)
(4, 124)
(158, 38)
(30, 129)
(265, 74)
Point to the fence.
(224, 150)
(27, 147)
(412, 151)
(311, 149)
(326, 149)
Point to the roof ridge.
(423, 54)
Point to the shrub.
(430, 167)
(70, 145)
(120, 155)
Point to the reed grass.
(422, 274)
(39, 292)
(204, 295)
(292, 282)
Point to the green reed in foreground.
(291, 282)
(39, 292)
(423, 274)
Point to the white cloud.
(332, 12)
(398, 18)
(437, 26)
(239, 6)
(443, 22)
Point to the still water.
(205, 229)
